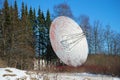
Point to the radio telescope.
(68, 41)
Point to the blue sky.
(106, 11)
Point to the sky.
(106, 11)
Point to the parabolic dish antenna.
(68, 41)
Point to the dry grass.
(104, 64)
(3, 63)
(24, 78)
(98, 63)
(9, 75)
(8, 70)
(103, 60)
(45, 78)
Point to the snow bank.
(79, 76)
(16, 74)
(12, 74)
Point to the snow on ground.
(16, 74)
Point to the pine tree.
(15, 10)
(31, 14)
(34, 14)
(7, 31)
(49, 52)
(26, 11)
(16, 18)
(6, 28)
(15, 23)
(23, 11)
(48, 20)
(29, 35)
(24, 17)
(1, 33)
(31, 19)
(20, 45)
(23, 25)
(39, 13)
(47, 24)
(41, 18)
(40, 42)
(6, 14)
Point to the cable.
(69, 41)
